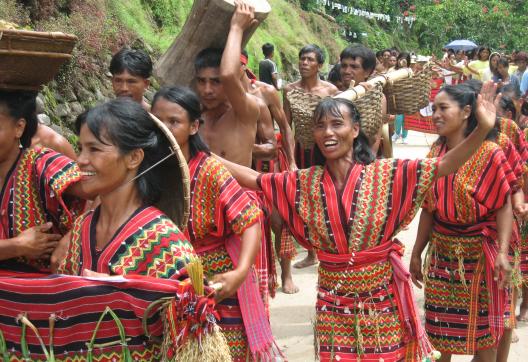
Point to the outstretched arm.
(245, 176)
(486, 115)
(244, 105)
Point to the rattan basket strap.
(359, 91)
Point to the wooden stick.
(28, 53)
(359, 91)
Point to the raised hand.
(244, 15)
(486, 112)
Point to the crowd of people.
(116, 207)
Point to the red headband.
(250, 74)
(243, 59)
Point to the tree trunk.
(206, 26)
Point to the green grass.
(139, 17)
(287, 27)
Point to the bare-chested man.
(300, 100)
(230, 114)
(268, 94)
(268, 157)
(131, 70)
(265, 146)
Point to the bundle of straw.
(190, 329)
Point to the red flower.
(412, 7)
(485, 10)
(405, 13)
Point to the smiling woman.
(126, 160)
(34, 210)
(348, 209)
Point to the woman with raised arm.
(223, 228)
(348, 208)
(40, 194)
(467, 222)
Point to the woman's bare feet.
(310, 260)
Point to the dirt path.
(292, 315)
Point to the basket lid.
(30, 59)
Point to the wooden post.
(207, 26)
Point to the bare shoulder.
(294, 85)
(265, 88)
(328, 89)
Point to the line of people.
(324, 185)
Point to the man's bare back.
(268, 94)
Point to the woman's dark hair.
(506, 103)
(21, 104)
(504, 62)
(128, 126)
(334, 75)
(481, 49)
(466, 95)
(362, 152)
(524, 109)
(189, 101)
(403, 55)
(136, 61)
(312, 48)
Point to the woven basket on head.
(408, 96)
(176, 200)
(370, 110)
(29, 59)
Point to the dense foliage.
(497, 23)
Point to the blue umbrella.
(461, 45)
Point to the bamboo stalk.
(359, 91)
(25, 53)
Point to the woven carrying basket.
(29, 59)
(370, 110)
(408, 96)
(302, 106)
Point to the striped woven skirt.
(217, 261)
(456, 295)
(69, 315)
(523, 258)
(358, 319)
